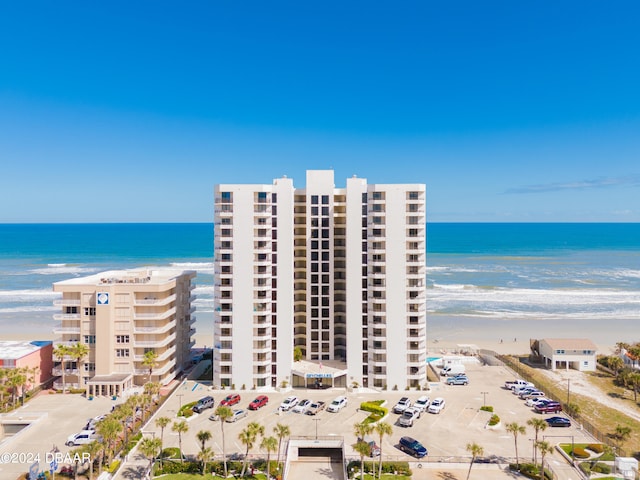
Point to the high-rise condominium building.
(120, 316)
(335, 273)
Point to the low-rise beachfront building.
(575, 353)
(336, 274)
(120, 316)
(33, 357)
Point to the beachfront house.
(575, 353)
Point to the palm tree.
(615, 364)
(13, 382)
(475, 450)
(539, 425)
(109, 429)
(150, 361)
(60, 352)
(205, 456)
(203, 437)
(223, 414)
(621, 434)
(363, 449)
(281, 431)
(516, 429)
(93, 450)
(270, 444)
(79, 352)
(150, 448)
(544, 448)
(180, 428)
(248, 438)
(362, 429)
(382, 429)
(162, 423)
(122, 414)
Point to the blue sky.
(132, 111)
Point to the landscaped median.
(376, 410)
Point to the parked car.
(408, 417)
(422, 403)
(315, 407)
(92, 422)
(534, 394)
(302, 406)
(517, 383)
(230, 400)
(412, 447)
(237, 415)
(451, 370)
(534, 401)
(288, 403)
(82, 438)
(551, 407)
(374, 449)
(458, 380)
(402, 405)
(203, 404)
(558, 422)
(338, 404)
(437, 405)
(258, 402)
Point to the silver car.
(237, 414)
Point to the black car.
(558, 422)
(203, 404)
(412, 447)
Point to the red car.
(230, 400)
(551, 407)
(259, 401)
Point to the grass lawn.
(601, 416)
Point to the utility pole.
(484, 398)
(568, 391)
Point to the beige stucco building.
(575, 353)
(121, 315)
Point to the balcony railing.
(149, 300)
(156, 343)
(66, 316)
(59, 330)
(155, 315)
(66, 301)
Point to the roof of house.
(570, 343)
(15, 349)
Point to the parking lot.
(445, 435)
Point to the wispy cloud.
(601, 182)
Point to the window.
(325, 199)
(71, 310)
(90, 339)
(378, 195)
(325, 211)
(314, 199)
(559, 352)
(122, 339)
(314, 210)
(89, 367)
(90, 311)
(122, 352)
(262, 196)
(226, 196)
(412, 195)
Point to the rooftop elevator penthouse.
(337, 272)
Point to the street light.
(179, 395)
(484, 400)
(316, 420)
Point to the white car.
(437, 405)
(338, 404)
(408, 416)
(302, 406)
(82, 438)
(422, 403)
(288, 403)
(237, 415)
(533, 401)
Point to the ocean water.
(537, 278)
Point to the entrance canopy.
(110, 385)
(308, 374)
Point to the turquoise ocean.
(485, 281)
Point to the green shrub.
(600, 467)
(580, 452)
(585, 467)
(387, 467)
(494, 420)
(530, 470)
(596, 447)
(486, 408)
(185, 410)
(377, 412)
(174, 467)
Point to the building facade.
(33, 357)
(336, 273)
(120, 316)
(575, 353)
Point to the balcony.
(155, 315)
(156, 371)
(66, 316)
(67, 371)
(154, 330)
(160, 358)
(66, 302)
(60, 330)
(156, 343)
(150, 300)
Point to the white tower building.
(336, 273)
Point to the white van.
(82, 438)
(452, 369)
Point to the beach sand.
(444, 332)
